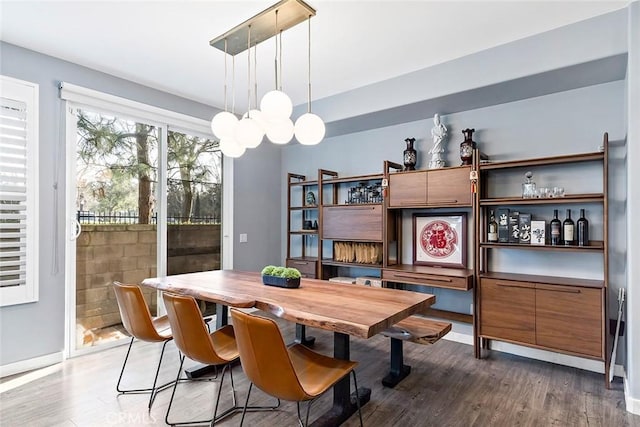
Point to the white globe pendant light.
(280, 131)
(249, 133)
(258, 117)
(223, 124)
(231, 148)
(276, 105)
(309, 129)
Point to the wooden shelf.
(550, 280)
(349, 205)
(569, 198)
(594, 246)
(329, 261)
(352, 179)
(544, 161)
(303, 183)
(304, 232)
(303, 208)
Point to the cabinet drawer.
(306, 268)
(507, 310)
(434, 280)
(569, 318)
(449, 187)
(408, 189)
(361, 222)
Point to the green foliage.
(268, 270)
(287, 273)
(291, 273)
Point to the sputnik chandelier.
(273, 119)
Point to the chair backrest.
(264, 356)
(190, 333)
(135, 313)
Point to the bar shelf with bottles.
(523, 305)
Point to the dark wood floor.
(447, 387)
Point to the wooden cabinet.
(307, 267)
(358, 222)
(507, 310)
(570, 318)
(550, 316)
(449, 278)
(437, 187)
(563, 314)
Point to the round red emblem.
(438, 239)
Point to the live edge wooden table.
(346, 310)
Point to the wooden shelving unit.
(562, 314)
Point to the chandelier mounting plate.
(263, 26)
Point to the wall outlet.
(243, 237)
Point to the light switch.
(243, 237)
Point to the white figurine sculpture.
(438, 134)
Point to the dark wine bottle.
(492, 234)
(568, 230)
(555, 227)
(583, 230)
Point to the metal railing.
(90, 217)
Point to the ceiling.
(165, 44)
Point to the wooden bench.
(415, 329)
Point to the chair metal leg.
(355, 385)
(306, 421)
(246, 402)
(153, 390)
(173, 393)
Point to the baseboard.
(632, 404)
(30, 364)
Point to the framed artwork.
(440, 240)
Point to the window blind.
(18, 210)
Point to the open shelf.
(543, 161)
(569, 198)
(303, 183)
(352, 179)
(594, 246)
(329, 261)
(303, 208)
(304, 232)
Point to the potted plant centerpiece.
(282, 277)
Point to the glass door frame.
(73, 97)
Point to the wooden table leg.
(344, 402)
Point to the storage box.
(348, 280)
(538, 234)
(502, 218)
(514, 227)
(525, 228)
(374, 282)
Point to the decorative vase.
(467, 146)
(409, 155)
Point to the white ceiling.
(165, 44)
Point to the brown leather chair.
(194, 341)
(293, 373)
(139, 323)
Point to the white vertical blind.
(18, 210)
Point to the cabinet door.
(306, 268)
(360, 222)
(507, 310)
(408, 189)
(449, 187)
(569, 318)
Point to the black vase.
(467, 146)
(409, 156)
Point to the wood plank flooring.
(447, 387)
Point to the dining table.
(347, 310)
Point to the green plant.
(287, 273)
(268, 270)
(291, 273)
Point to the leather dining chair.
(194, 341)
(137, 320)
(293, 373)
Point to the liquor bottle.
(583, 230)
(492, 235)
(555, 227)
(568, 229)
